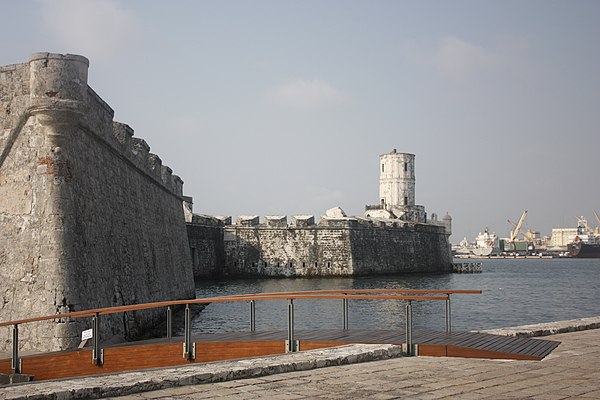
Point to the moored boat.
(581, 249)
(586, 243)
(485, 244)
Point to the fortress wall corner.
(205, 236)
(85, 222)
(410, 248)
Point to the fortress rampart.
(88, 216)
(333, 247)
(205, 235)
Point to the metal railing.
(292, 345)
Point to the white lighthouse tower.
(397, 189)
(397, 179)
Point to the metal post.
(345, 312)
(16, 361)
(97, 353)
(169, 322)
(252, 316)
(189, 348)
(448, 315)
(409, 328)
(290, 343)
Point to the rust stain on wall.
(57, 168)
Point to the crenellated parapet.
(58, 96)
(308, 222)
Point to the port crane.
(515, 232)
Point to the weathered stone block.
(303, 220)
(276, 221)
(248, 220)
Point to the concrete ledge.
(141, 381)
(548, 328)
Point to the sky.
(283, 107)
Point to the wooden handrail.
(356, 294)
(368, 291)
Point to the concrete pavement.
(572, 371)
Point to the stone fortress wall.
(88, 216)
(336, 246)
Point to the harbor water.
(515, 292)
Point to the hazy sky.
(283, 107)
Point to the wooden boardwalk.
(184, 350)
(215, 347)
(430, 343)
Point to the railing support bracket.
(409, 344)
(169, 322)
(189, 348)
(16, 361)
(252, 316)
(97, 352)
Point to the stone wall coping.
(353, 224)
(57, 56)
(206, 220)
(11, 67)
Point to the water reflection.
(515, 292)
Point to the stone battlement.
(308, 221)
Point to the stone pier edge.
(163, 378)
(548, 328)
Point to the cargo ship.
(581, 249)
(586, 243)
(485, 244)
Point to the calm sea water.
(515, 292)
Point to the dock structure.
(188, 349)
(467, 267)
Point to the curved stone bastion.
(89, 217)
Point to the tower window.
(382, 167)
(405, 166)
(405, 200)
